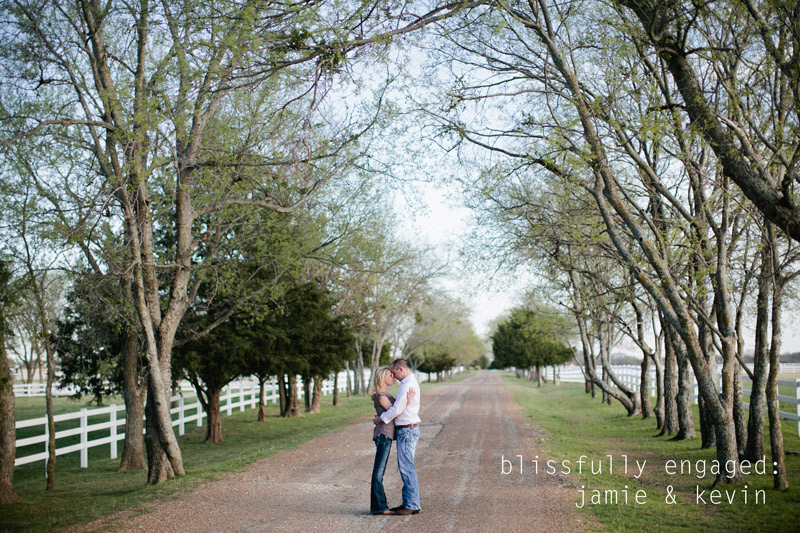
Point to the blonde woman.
(382, 435)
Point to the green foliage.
(530, 338)
(386, 354)
(442, 337)
(481, 362)
(306, 338)
(90, 338)
(219, 357)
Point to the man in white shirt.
(406, 426)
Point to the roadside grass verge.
(83, 495)
(577, 425)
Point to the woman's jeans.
(377, 498)
(406, 447)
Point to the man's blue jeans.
(377, 497)
(406, 447)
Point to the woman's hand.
(410, 395)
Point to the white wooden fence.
(630, 375)
(236, 396)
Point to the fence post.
(113, 432)
(84, 438)
(229, 397)
(199, 412)
(797, 402)
(241, 396)
(181, 421)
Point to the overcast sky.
(441, 222)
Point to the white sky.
(442, 223)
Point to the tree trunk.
(377, 348)
(307, 393)
(292, 407)
(363, 386)
(214, 420)
(30, 371)
(684, 398)
(538, 376)
(335, 388)
(647, 354)
(754, 449)
(262, 404)
(159, 389)
(670, 425)
(659, 364)
(708, 433)
(358, 370)
(8, 438)
(51, 426)
(349, 386)
(739, 414)
(644, 388)
(317, 397)
(283, 393)
(159, 468)
(780, 480)
(134, 393)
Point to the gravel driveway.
(323, 485)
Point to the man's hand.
(377, 420)
(411, 394)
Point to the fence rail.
(236, 396)
(630, 376)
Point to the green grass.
(576, 425)
(82, 495)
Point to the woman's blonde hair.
(378, 380)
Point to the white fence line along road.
(237, 395)
(630, 375)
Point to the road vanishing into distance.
(324, 484)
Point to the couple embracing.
(396, 420)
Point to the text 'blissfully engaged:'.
(586, 466)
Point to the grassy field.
(82, 495)
(576, 425)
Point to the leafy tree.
(530, 339)
(312, 342)
(213, 361)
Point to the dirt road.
(323, 485)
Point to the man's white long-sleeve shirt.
(409, 411)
